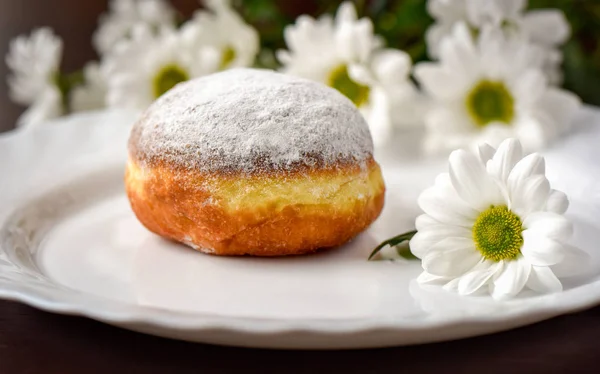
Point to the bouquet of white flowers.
(494, 71)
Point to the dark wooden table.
(32, 341)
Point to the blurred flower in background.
(343, 53)
(34, 61)
(91, 93)
(496, 77)
(148, 63)
(221, 36)
(546, 28)
(489, 88)
(124, 15)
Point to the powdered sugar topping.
(248, 120)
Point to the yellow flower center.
(490, 101)
(341, 81)
(167, 78)
(228, 55)
(497, 233)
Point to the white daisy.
(345, 54)
(222, 36)
(91, 94)
(141, 69)
(493, 223)
(34, 62)
(547, 28)
(123, 15)
(490, 89)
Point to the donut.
(253, 162)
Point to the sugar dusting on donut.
(248, 121)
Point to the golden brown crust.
(212, 214)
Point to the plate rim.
(74, 302)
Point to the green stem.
(66, 83)
(396, 240)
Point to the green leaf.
(395, 241)
(403, 251)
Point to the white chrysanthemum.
(34, 63)
(221, 36)
(345, 54)
(141, 69)
(91, 94)
(547, 28)
(490, 89)
(123, 15)
(493, 223)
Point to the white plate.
(70, 244)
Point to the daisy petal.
(425, 220)
(344, 42)
(508, 154)
(557, 202)
(532, 164)
(449, 194)
(530, 195)
(426, 278)
(425, 239)
(451, 285)
(486, 152)
(360, 74)
(531, 86)
(346, 12)
(543, 280)
(434, 35)
(459, 52)
(438, 82)
(391, 65)
(471, 181)
(377, 115)
(551, 225)
(441, 209)
(546, 26)
(512, 279)
(474, 280)
(540, 250)
(511, 8)
(439, 8)
(365, 42)
(451, 257)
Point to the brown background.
(36, 342)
